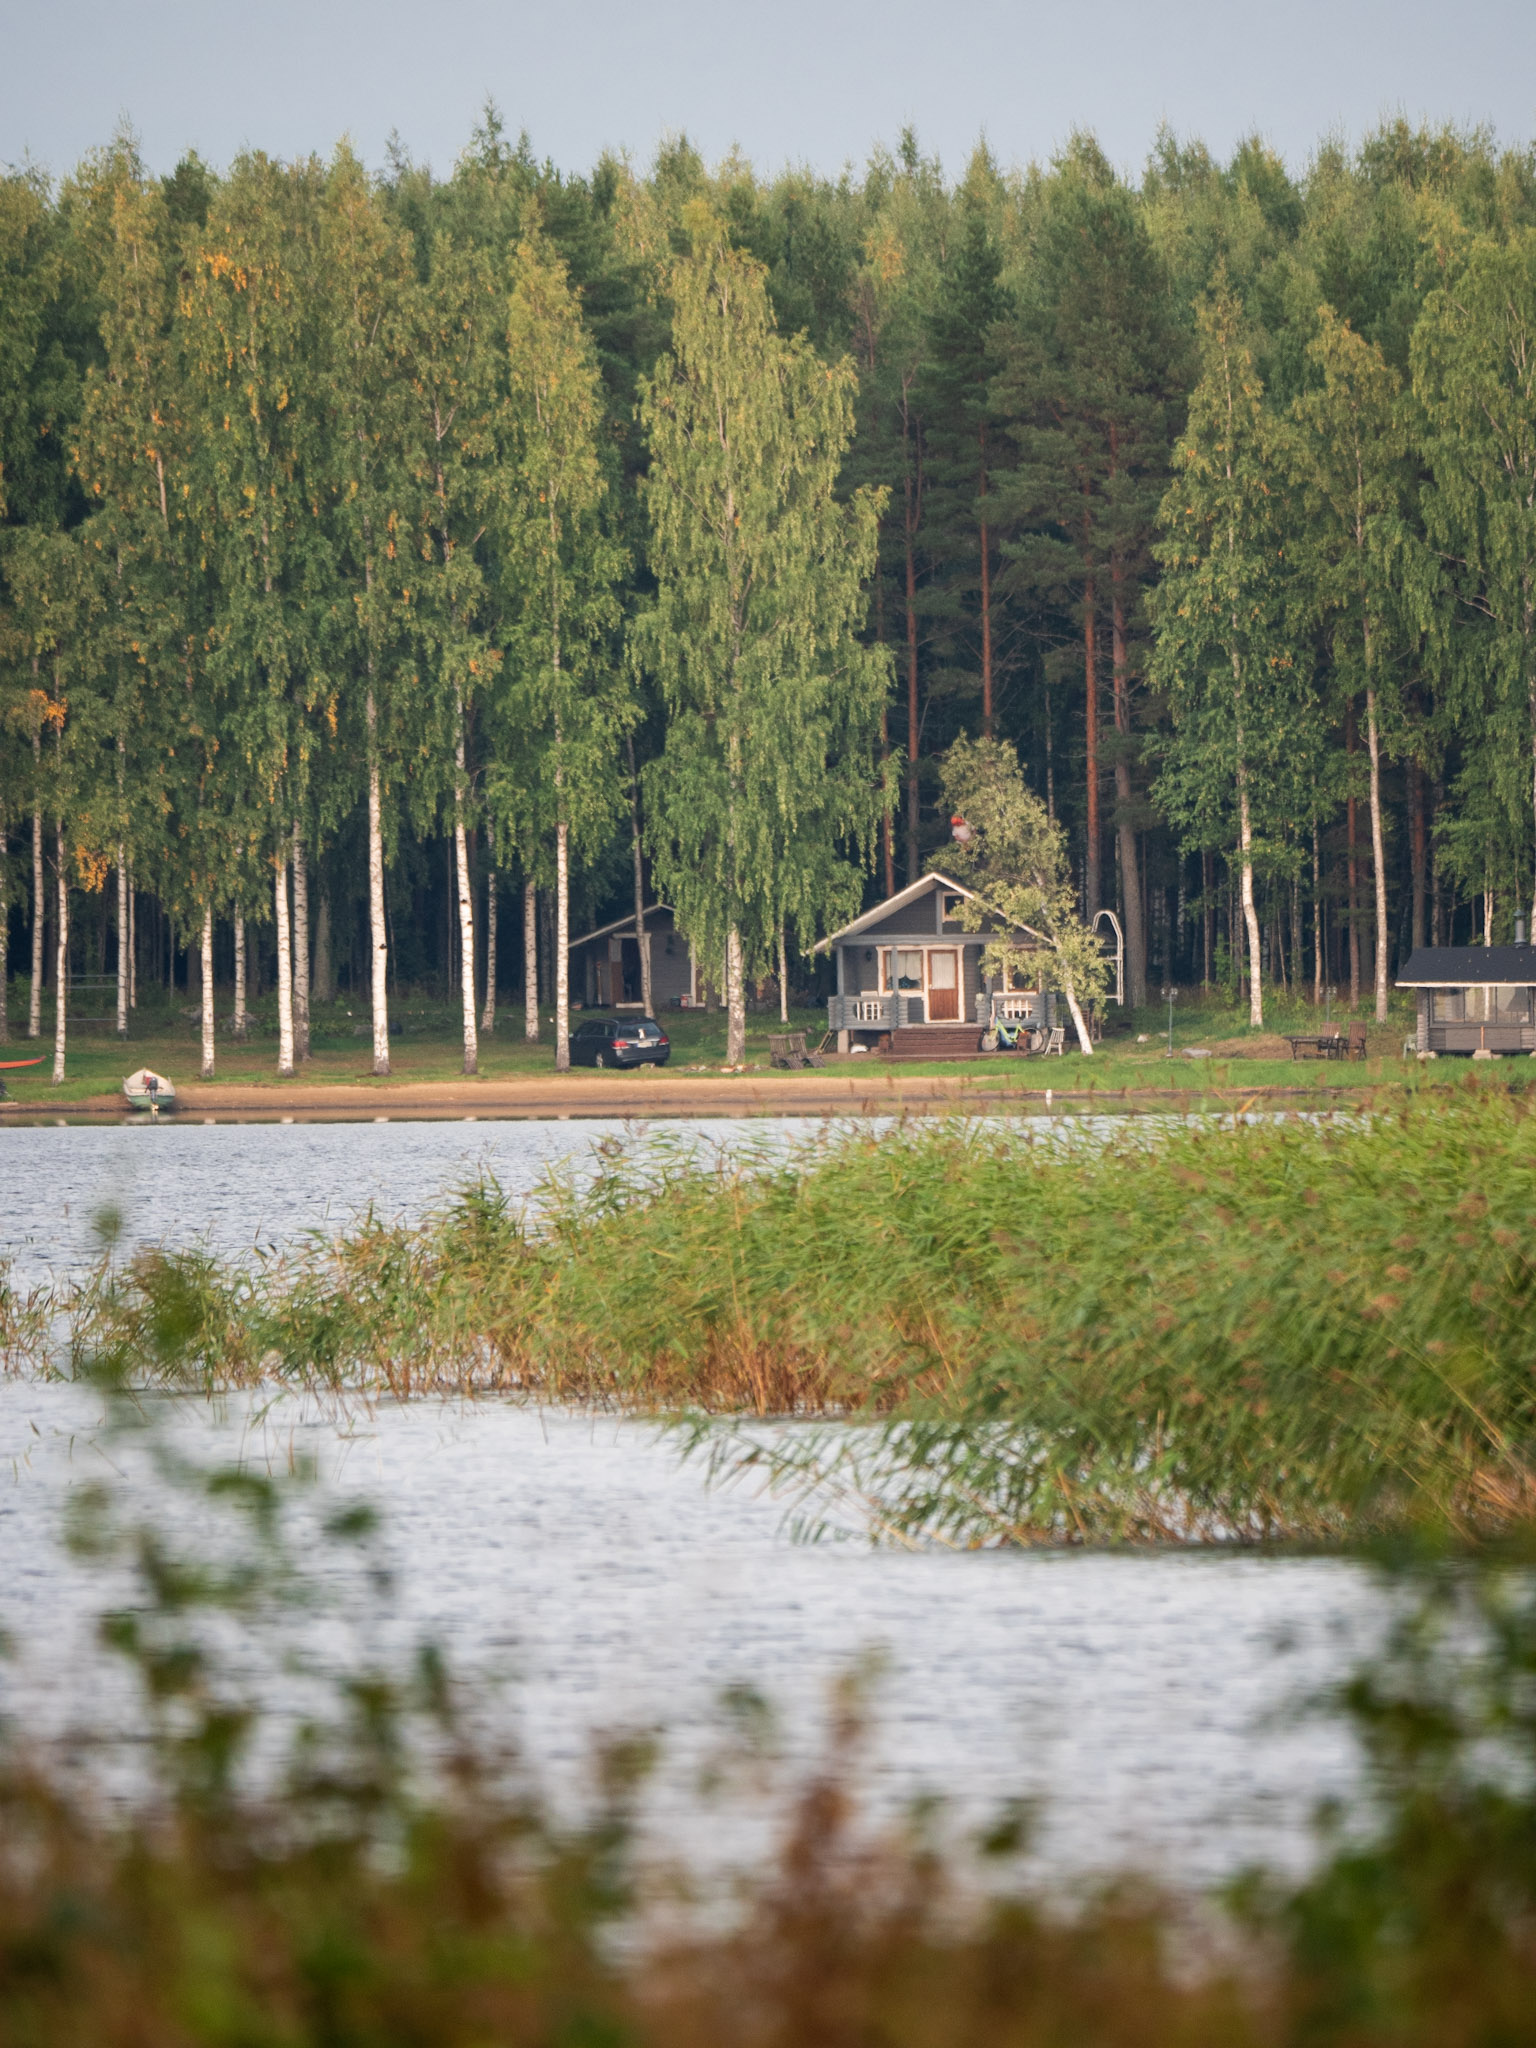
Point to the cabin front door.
(944, 986)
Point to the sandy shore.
(829, 1092)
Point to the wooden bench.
(787, 1049)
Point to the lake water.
(582, 1565)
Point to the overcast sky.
(814, 81)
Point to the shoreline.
(642, 1095)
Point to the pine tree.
(1091, 377)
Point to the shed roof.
(1469, 967)
(620, 924)
(925, 885)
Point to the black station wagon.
(619, 1042)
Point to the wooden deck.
(936, 1042)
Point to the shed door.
(943, 986)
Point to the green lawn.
(428, 1048)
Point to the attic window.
(952, 904)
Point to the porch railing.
(1019, 1006)
(873, 1012)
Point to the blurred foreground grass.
(394, 1880)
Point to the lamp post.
(1170, 997)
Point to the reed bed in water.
(1182, 1332)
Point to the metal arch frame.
(1119, 952)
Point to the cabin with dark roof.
(908, 972)
(1479, 1000)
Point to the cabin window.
(952, 905)
(1019, 979)
(901, 967)
(1509, 1005)
(1448, 1006)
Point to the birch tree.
(1352, 449)
(1223, 652)
(1016, 860)
(1474, 373)
(447, 347)
(563, 693)
(367, 273)
(771, 765)
(252, 335)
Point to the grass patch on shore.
(1225, 1330)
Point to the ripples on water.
(580, 1560)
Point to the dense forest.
(392, 562)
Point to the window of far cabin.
(1020, 980)
(1448, 1006)
(901, 967)
(1509, 1005)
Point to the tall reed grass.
(1202, 1331)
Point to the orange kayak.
(25, 1063)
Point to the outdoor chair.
(1057, 1042)
(1356, 1049)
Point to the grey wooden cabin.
(605, 965)
(909, 965)
(1474, 999)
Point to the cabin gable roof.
(882, 919)
(1470, 967)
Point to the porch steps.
(936, 1042)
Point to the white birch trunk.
(378, 933)
(1378, 855)
(284, 967)
(530, 963)
(241, 1025)
(642, 936)
(562, 947)
(133, 942)
(492, 920)
(1079, 1021)
(122, 942)
(1250, 913)
(735, 1002)
(61, 971)
(35, 1006)
(783, 978)
(466, 908)
(207, 1069)
(300, 947)
(5, 950)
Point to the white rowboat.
(148, 1090)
